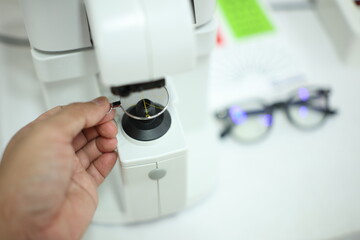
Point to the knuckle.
(75, 105)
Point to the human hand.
(51, 169)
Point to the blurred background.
(291, 174)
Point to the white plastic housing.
(67, 76)
(186, 152)
(145, 198)
(56, 25)
(62, 66)
(204, 11)
(142, 40)
(341, 18)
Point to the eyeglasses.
(306, 109)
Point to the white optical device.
(341, 19)
(126, 48)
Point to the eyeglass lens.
(307, 109)
(147, 104)
(250, 121)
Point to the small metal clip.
(114, 105)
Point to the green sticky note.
(245, 17)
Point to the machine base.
(201, 177)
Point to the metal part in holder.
(138, 106)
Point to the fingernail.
(99, 100)
(110, 110)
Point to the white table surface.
(292, 185)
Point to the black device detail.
(124, 91)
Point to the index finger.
(73, 118)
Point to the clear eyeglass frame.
(152, 102)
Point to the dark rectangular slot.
(193, 8)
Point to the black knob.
(150, 129)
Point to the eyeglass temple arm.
(225, 113)
(226, 130)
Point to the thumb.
(73, 118)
